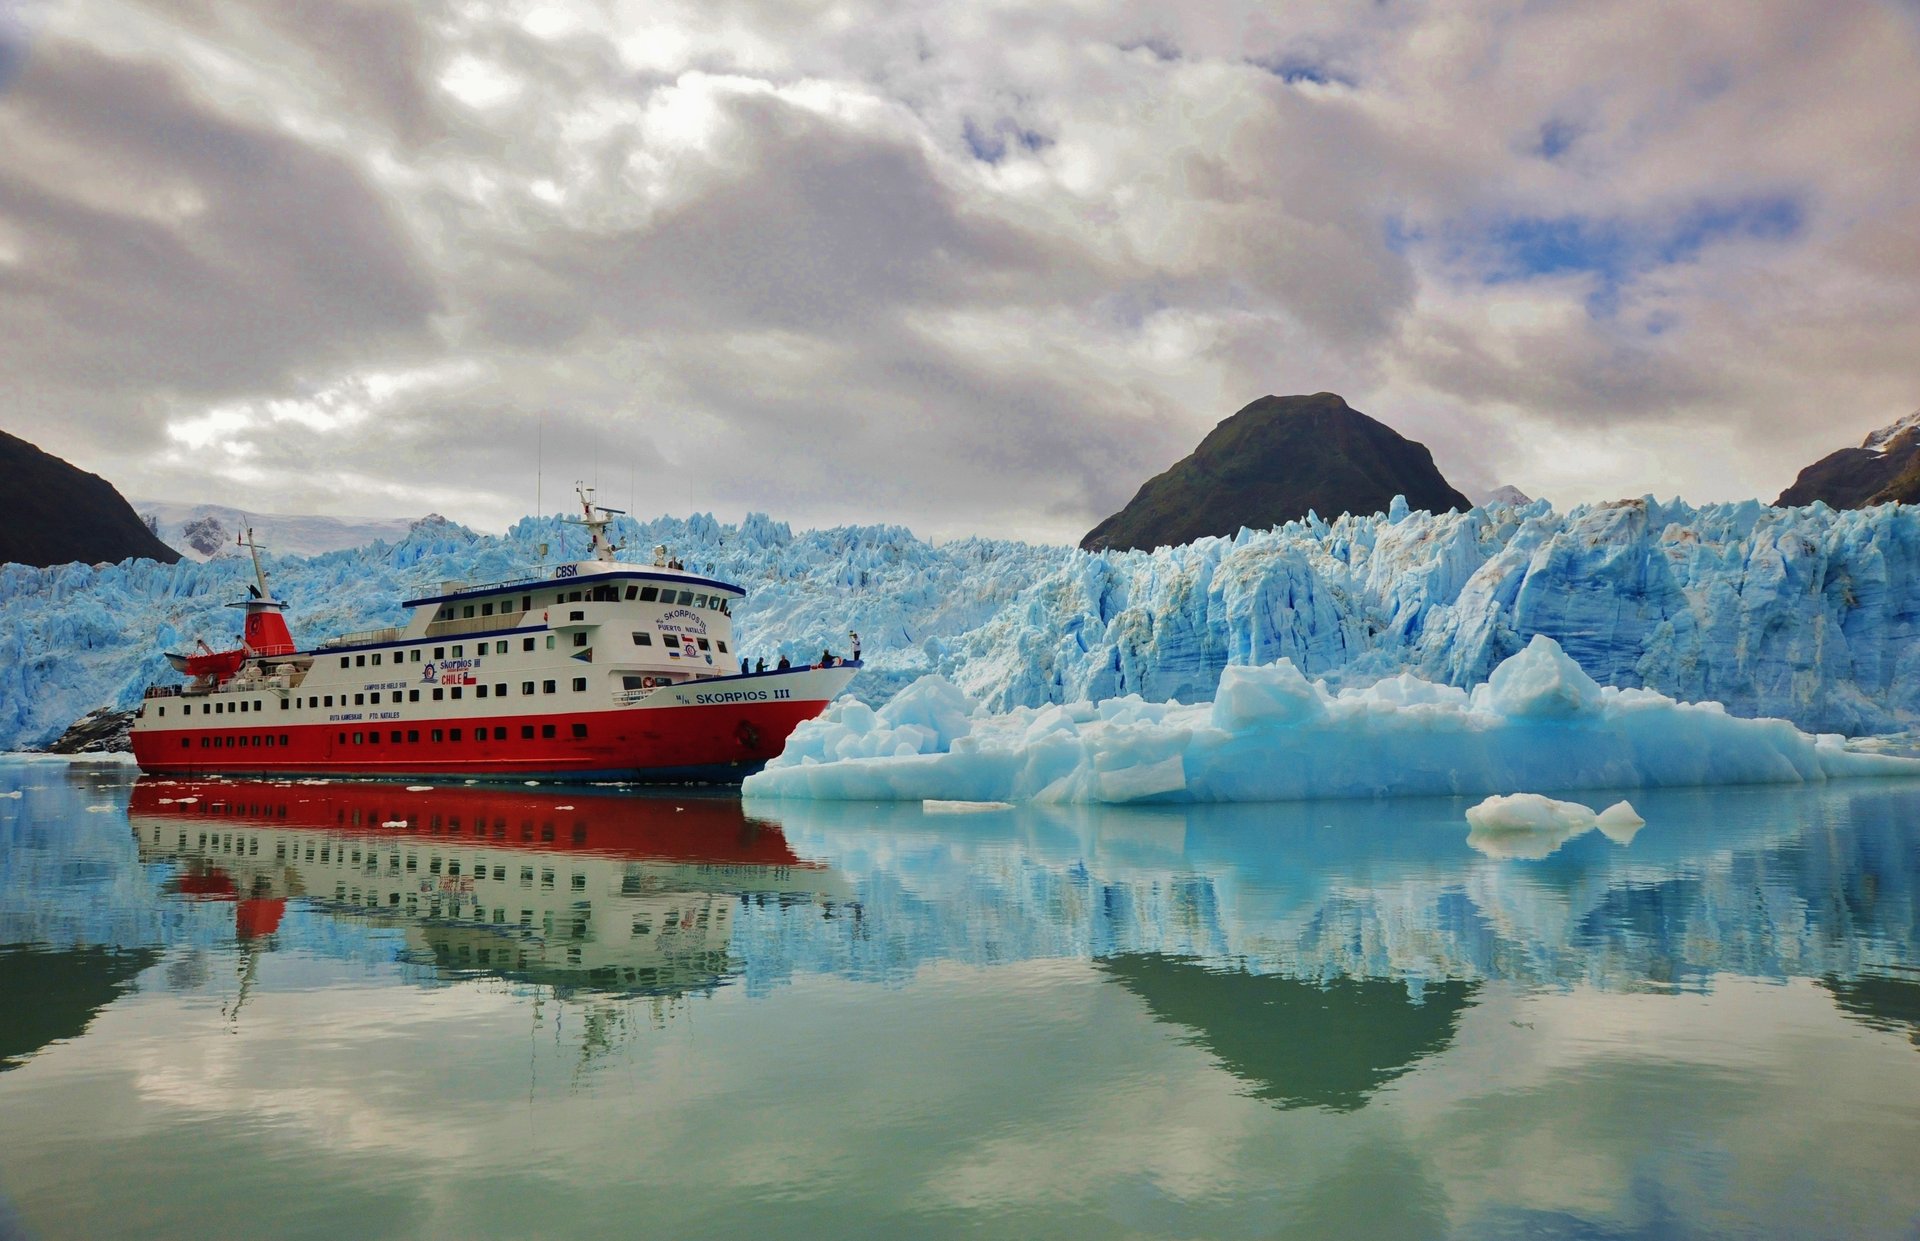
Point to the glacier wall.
(1808, 614)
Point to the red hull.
(693, 743)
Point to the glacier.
(1810, 615)
(1538, 722)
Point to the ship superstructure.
(605, 669)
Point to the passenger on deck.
(760, 665)
(854, 638)
(785, 662)
(826, 659)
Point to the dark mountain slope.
(1271, 462)
(53, 512)
(1856, 477)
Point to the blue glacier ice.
(1810, 615)
(1539, 722)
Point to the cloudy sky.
(973, 268)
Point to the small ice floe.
(419, 788)
(100, 809)
(1529, 826)
(16, 794)
(933, 805)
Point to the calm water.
(362, 1011)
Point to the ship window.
(574, 597)
(374, 698)
(204, 743)
(458, 651)
(643, 639)
(329, 700)
(284, 704)
(579, 730)
(649, 593)
(479, 691)
(439, 652)
(632, 592)
(466, 613)
(499, 734)
(343, 661)
(500, 690)
(454, 735)
(704, 644)
(546, 879)
(186, 743)
(486, 609)
(436, 735)
(699, 601)
(343, 738)
(413, 656)
(631, 683)
(359, 661)
(526, 603)
(413, 695)
(413, 734)
(394, 736)
(579, 639)
(579, 685)
(546, 730)
(438, 693)
(579, 883)
(526, 644)
(359, 738)
(359, 700)
(526, 687)
(456, 691)
(576, 616)
(721, 643)
(549, 641)
(283, 738)
(526, 732)
(547, 687)
(376, 659)
(686, 598)
(500, 647)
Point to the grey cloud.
(280, 257)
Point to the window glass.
(456, 691)
(643, 639)
(699, 601)
(376, 659)
(686, 597)
(546, 730)
(649, 593)
(704, 645)
(458, 651)
(549, 641)
(632, 592)
(721, 643)
(486, 609)
(439, 652)
(454, 735)
(548, 687)
(499, 734)
(479, 691)
(526, 732)
(579, 730)
(438, 693)
(579, 639)
(359, 661)
(526, 644)
(466, 613)
(343, 661)
(579, 685)
(526, 687)
(374, 697)
(413, 695)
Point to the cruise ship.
(603, 670)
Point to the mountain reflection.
(1295, 1042)
(568, 889)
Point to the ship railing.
(162, 691)
(475, 624)
(631, 697)
(364, 637)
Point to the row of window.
(646, 639)
(597, 594)
(498, 689)
(237, 741)
(413, 655)
(411, 736)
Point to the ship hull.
(718, 741)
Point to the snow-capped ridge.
(1883, 439)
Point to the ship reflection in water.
(572, 889)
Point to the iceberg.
(1528, 825)
(1270, 734)
(1810, 615)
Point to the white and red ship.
(606, 670)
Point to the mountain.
(59, 513)
(202, 531)
(1504, 495)
(1270, 463)
(1857, 477)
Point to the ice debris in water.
(1529, 825)
(1808, 614)
(1270, 734)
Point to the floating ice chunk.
(1529, 812)
(1620, 823)
(1539, 722)
(16, 793)
(935, 806)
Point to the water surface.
(358, 1010)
